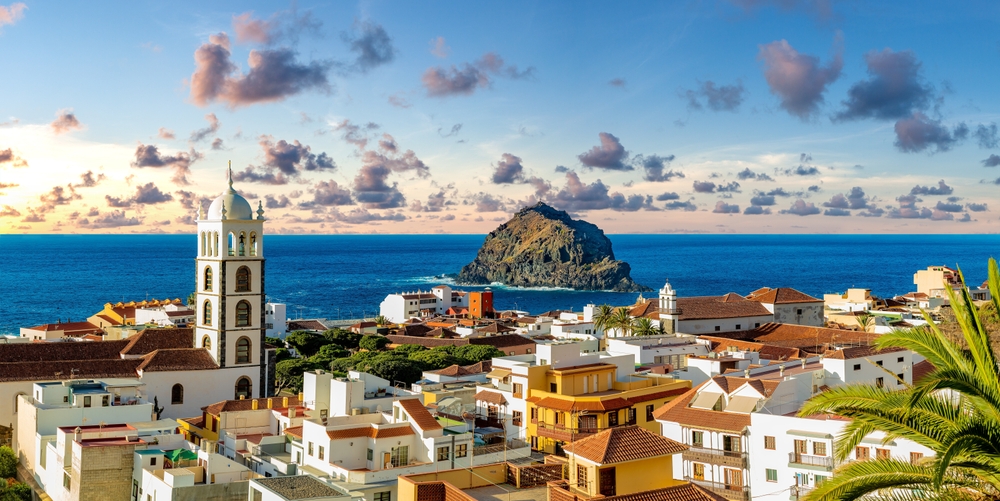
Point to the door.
(587, 424)
(734, 479)
(608, 482)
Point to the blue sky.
(713, 116)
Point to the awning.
(810, 434)
(491, 398)
(181, 455)
(877, 441)
(706, 400)
(498, 373)
(743, 405)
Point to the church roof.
(156, 339)
(177, 359)
(236, 206)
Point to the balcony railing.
(795, 458)
(731, 492)
(721, 457)
(559, 432)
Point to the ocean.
(69, 277)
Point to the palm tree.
(865, 321)
(643, 326)
(622, 321)
(381, 320)
(603, 316)
(954, 411)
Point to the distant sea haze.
(45, 278)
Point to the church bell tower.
(230, 291)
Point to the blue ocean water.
(49, 277)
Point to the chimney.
(270, 403)
(804, 361)
(746, 373)
(78, 434)
(781, 370)
(291, 412)
(253, 404)
(284, 401)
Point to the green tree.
(327, 354)
(374, 342)
(865, 321)
(409, 349)
(8, 462)
(960, 424)
(15, 491)
(602, 317)
(381, 320)
(277, 342)
(395, 369)
(305, 342)
(288, 374)
(448, 348)
(472, 353)
(343, 337)
(282, 354)
(432, 360)
(643, 326)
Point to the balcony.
(720, 457)
(798, 459)
(560, 432)
(730, 492)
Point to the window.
(915, 457)
(882, 453)
(105, 400)
(518, 389)
(878, 363)
(310, 449)
(208, 278)
(581, 476)
(698, 471)
(555, 417)
(320, 456)
(819, 448)
(769, 443)
(206, 313)
(631, 415)
(492, 412)
(798, 311)
(206, 342)
(66, 482)
(243, 387)
(443, 453)
(718, 328)
(862, 453)
(899, 359)
(86, 401)
(698, 438)
(731, 443)
(399, 456)
(152, 461)
(553, 388)
(461, 450)
(243, 314)
(243, 244)
(880, 382)
(243, 350)
(772, 475)
(819, 479)
(801, 447)
(243, 279)
(756, 324)
(900, 376)
(383, 496)
(613, 418)
(649, 412)
(257, 495)
(253, 243)
(516, 419)
(534, 414)
(857, 367)
(738, 326)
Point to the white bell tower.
(668, 308)
(230, 291)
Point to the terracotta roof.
(491, 397)
(711, 307)
(439, 332)
(682, 492)
(626, 443)
(295, 431)
(178, 359)
(921, 370)
(467, 370)
(721, 344)
(678, 411)
(64, 369)
(419, 415)
(69, 327)
(634, 400)
(495, 328)
(648, 308)
(781, 295)
(370, 432)
(247, 404)
(306, 325)
(150, 340)
(603, 405)
(53, 351)
(503, 340)
(416, 330)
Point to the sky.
(713, 116)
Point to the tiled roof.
(495, 328)
(68, 369)
(712, 307)
(370, 432)
(678, 411)
(439, 332)
(466, 370)
(306, 325)
(178, 359)
(636, 399)
(503, 340)
(420, 330)
(572, 405)
(295, 431)
(419, 415)
(150, 340)
(626, 443)
(781, 295)
(682, 492)
(53, 351)
(491, 397)
(247, 404)
(921, 370)
(649, 308)
(69, 327)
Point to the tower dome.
(236, 206)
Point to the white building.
(170, 315)
(666, 349)
(275, 320)
(207, 476)
(358, 393)
(790, 306)
(400, 307)
(293, 488)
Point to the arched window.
(177, 394)
(208, 278)
(206, 342)
(243, 350)
(206, 313)
(244, 387)
(253, 243)
(232, 244)
(243, 279)
(243, 314)
(243, 244)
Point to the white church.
(223, 356)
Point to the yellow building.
(571, 403)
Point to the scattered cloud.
(189, 200)
(165, 133)
(284, 160)
(579, 196)
(974, 207)
(618, 82)
(756, 210)
(113, 219)
(371, 45)
(508, 170)
(610, 155)
(684, 206)
(280, 202)
(89, 180)
(148, 155)
(217, 144)
(855, 199)
(893, 90)
(282, 25)
(836, 212)
(724, 208)
(439, 48)
(325, 194)
(716, 98)
(992, 161)
(987, 136)
(362, 216)
(919, 132)
(57, 196)
(949, 207)
(399, 101)
(941, 189)
(655, 166)
(65, 121)
(747, 174)
(275, 74)
(9, 211)
(445, 82)
(213, 126)
(761, 199)
(9, 157)
(147, 194)
(802, 208)
(9, 15)
(453, 132)
(710, 187)
(799, 80)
